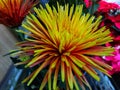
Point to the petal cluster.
(114, 60)
(110, 12)
(64, 40)
(105, 6)
(12, 12)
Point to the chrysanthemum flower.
(12, 12)
(64, 40)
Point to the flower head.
(64, 40)
(12, 12)
(110, 12)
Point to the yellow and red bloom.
(64, 40)
(12, 12)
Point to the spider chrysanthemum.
(12, 12)
(64, 40)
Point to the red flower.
(109, 11)
(105, 7)
(12, 12)
(88, 3)
(115, 20)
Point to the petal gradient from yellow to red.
(12, 12)
(65, 40)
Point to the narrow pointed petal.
(45, 79)
(70, 78)
(56, 76)
(63, 71)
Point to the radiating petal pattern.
(64, 40)
(12, 12)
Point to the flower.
(115, 20)
(110, 12)
(64, 41)
(88, 3)
(105, 6)
(12, 12)
(114, 60)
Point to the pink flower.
(88, 3)
(114, 60)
